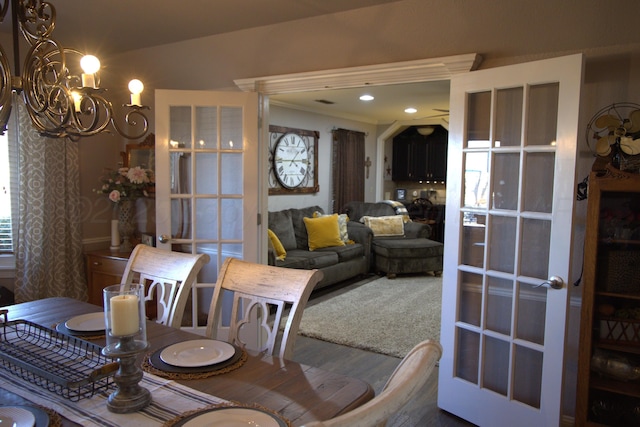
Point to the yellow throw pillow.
(323, 232)
(281, 253)
(342, 224)
(392, 225)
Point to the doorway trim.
(417, 71)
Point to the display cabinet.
(608, 390)
(420, 158)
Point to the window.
(8, 202)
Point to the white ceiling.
(122, 25)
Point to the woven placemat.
(147, 366)
(208, 408)
(55, 419)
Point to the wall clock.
(293, 162)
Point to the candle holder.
(126, 337)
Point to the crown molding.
(422, 70)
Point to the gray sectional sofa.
(338, 263)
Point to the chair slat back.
(168, 277)
(262, 293)
(403, 385)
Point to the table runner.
(169, 399)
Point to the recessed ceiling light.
(410, 110)
(367, 97)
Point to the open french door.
(510, 203)
(207, 180)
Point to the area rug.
(384, 316)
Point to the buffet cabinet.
(104, 268)
(608, 390)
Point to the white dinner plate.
(233, 417)
(92, 322)
(196, 353)
(16, 417)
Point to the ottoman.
(399, 256)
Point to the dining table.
(298, 393)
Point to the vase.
(126, 224)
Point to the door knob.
(553, 282)
(164, 238)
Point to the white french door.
(207, 180)
(510, 202)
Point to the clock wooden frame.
(310, 182)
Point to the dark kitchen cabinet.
(420, 158)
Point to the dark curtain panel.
(348, 168)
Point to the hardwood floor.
(375, 369)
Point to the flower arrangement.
(126, 183)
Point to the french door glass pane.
(470, 298)
(538, 187)
(231, 128)
(231, 165)
(542, 114)
(181, 218)
(180, 170)
(473, 239)
(180, 127)
(508, 117)
(468, 355)
(496, 365)
(206, 127)
(478, 120)
(206, 173)
(476, 179)
(207, 219)
(534, 252)
(231, 219)
(532, 309)
(499, 305)
(502, 243)
(527, 382)
(506, 172)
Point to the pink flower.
(137, 175)
(114, 196)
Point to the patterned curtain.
(348, 168)
(49, 258)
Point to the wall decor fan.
(614, 131)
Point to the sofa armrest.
(362, 234)
(415, 230)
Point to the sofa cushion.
(346, 252)
(315, 259)
(282, 225)
(392, 225)
(299, 228)
(281, 253)
(323, 232)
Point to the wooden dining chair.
(403, 385)
(168, 277)
(261, 294)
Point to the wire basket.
(68, 366)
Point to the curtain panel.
(348, 168)
(49, 258)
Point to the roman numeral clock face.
(291, 160)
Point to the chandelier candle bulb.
(90, 65)
(125, 317)
(136, 87)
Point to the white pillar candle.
(135, 99)
(125, 315)
(115, 234)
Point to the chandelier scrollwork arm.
(62, 100)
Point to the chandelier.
(60, 86)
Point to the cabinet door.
(400, 163)
(437, 160)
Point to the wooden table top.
(300, 393)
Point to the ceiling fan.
(443, 113)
